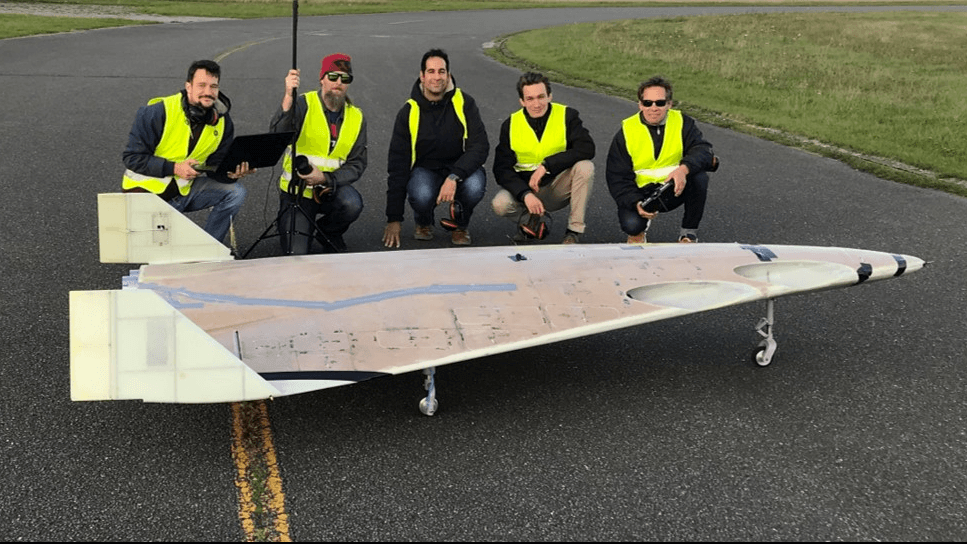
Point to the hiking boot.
(571, 237)
(460, 237)
(688, 239)
(423, 232)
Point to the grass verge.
(246, 9)
(16, 26)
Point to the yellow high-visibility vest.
(641, 148)
(523, 140)
(314, 139)
(174, 147)
(456, 102)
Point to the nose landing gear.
(429, 405)
(766, 350)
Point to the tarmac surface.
(663, 432)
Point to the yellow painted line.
(261, 501)
(276, 497)
(221, 56)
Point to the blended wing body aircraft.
(195, 326)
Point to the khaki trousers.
(572, 186)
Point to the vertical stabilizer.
(143, 228)
(134, 345)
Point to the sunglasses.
(659, 103)
(346, 78)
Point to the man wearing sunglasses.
(331, 135)
(436, 155)
(658, 145)
(543, 161)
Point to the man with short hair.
(331, 134)
(656, 145)
(436, 155)
(543, 161)
(174, 138)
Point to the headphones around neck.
(198, 115)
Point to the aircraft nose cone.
(912, 264)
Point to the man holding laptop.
(173, 139)
(319, 201)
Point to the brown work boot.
(460, 237)
(423, 232)
(637, 238)
(571, 237)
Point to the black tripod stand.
(296, 182)
(289, 210)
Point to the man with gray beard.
(330, 133)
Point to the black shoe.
(333, 243)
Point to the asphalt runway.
(664, 432)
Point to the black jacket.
(439, 145)
(620, 170)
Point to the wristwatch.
(455, 178)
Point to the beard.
(335, 101)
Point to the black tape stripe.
(344, 376)
(901, 265)
(763, 253)
(864, 272)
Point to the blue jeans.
(225, 199)
(424, 188)
(337, 213)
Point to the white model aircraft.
(196, 326)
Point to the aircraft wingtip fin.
(143, 228)
(134, 345)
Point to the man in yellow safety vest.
(331, 151)
(174, 139)
(543, 162)
(657, 145)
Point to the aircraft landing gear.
(766, 350)
(429, 405)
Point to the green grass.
(15, 26)
(885, 85)
(246, 9)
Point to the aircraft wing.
(240, 330)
